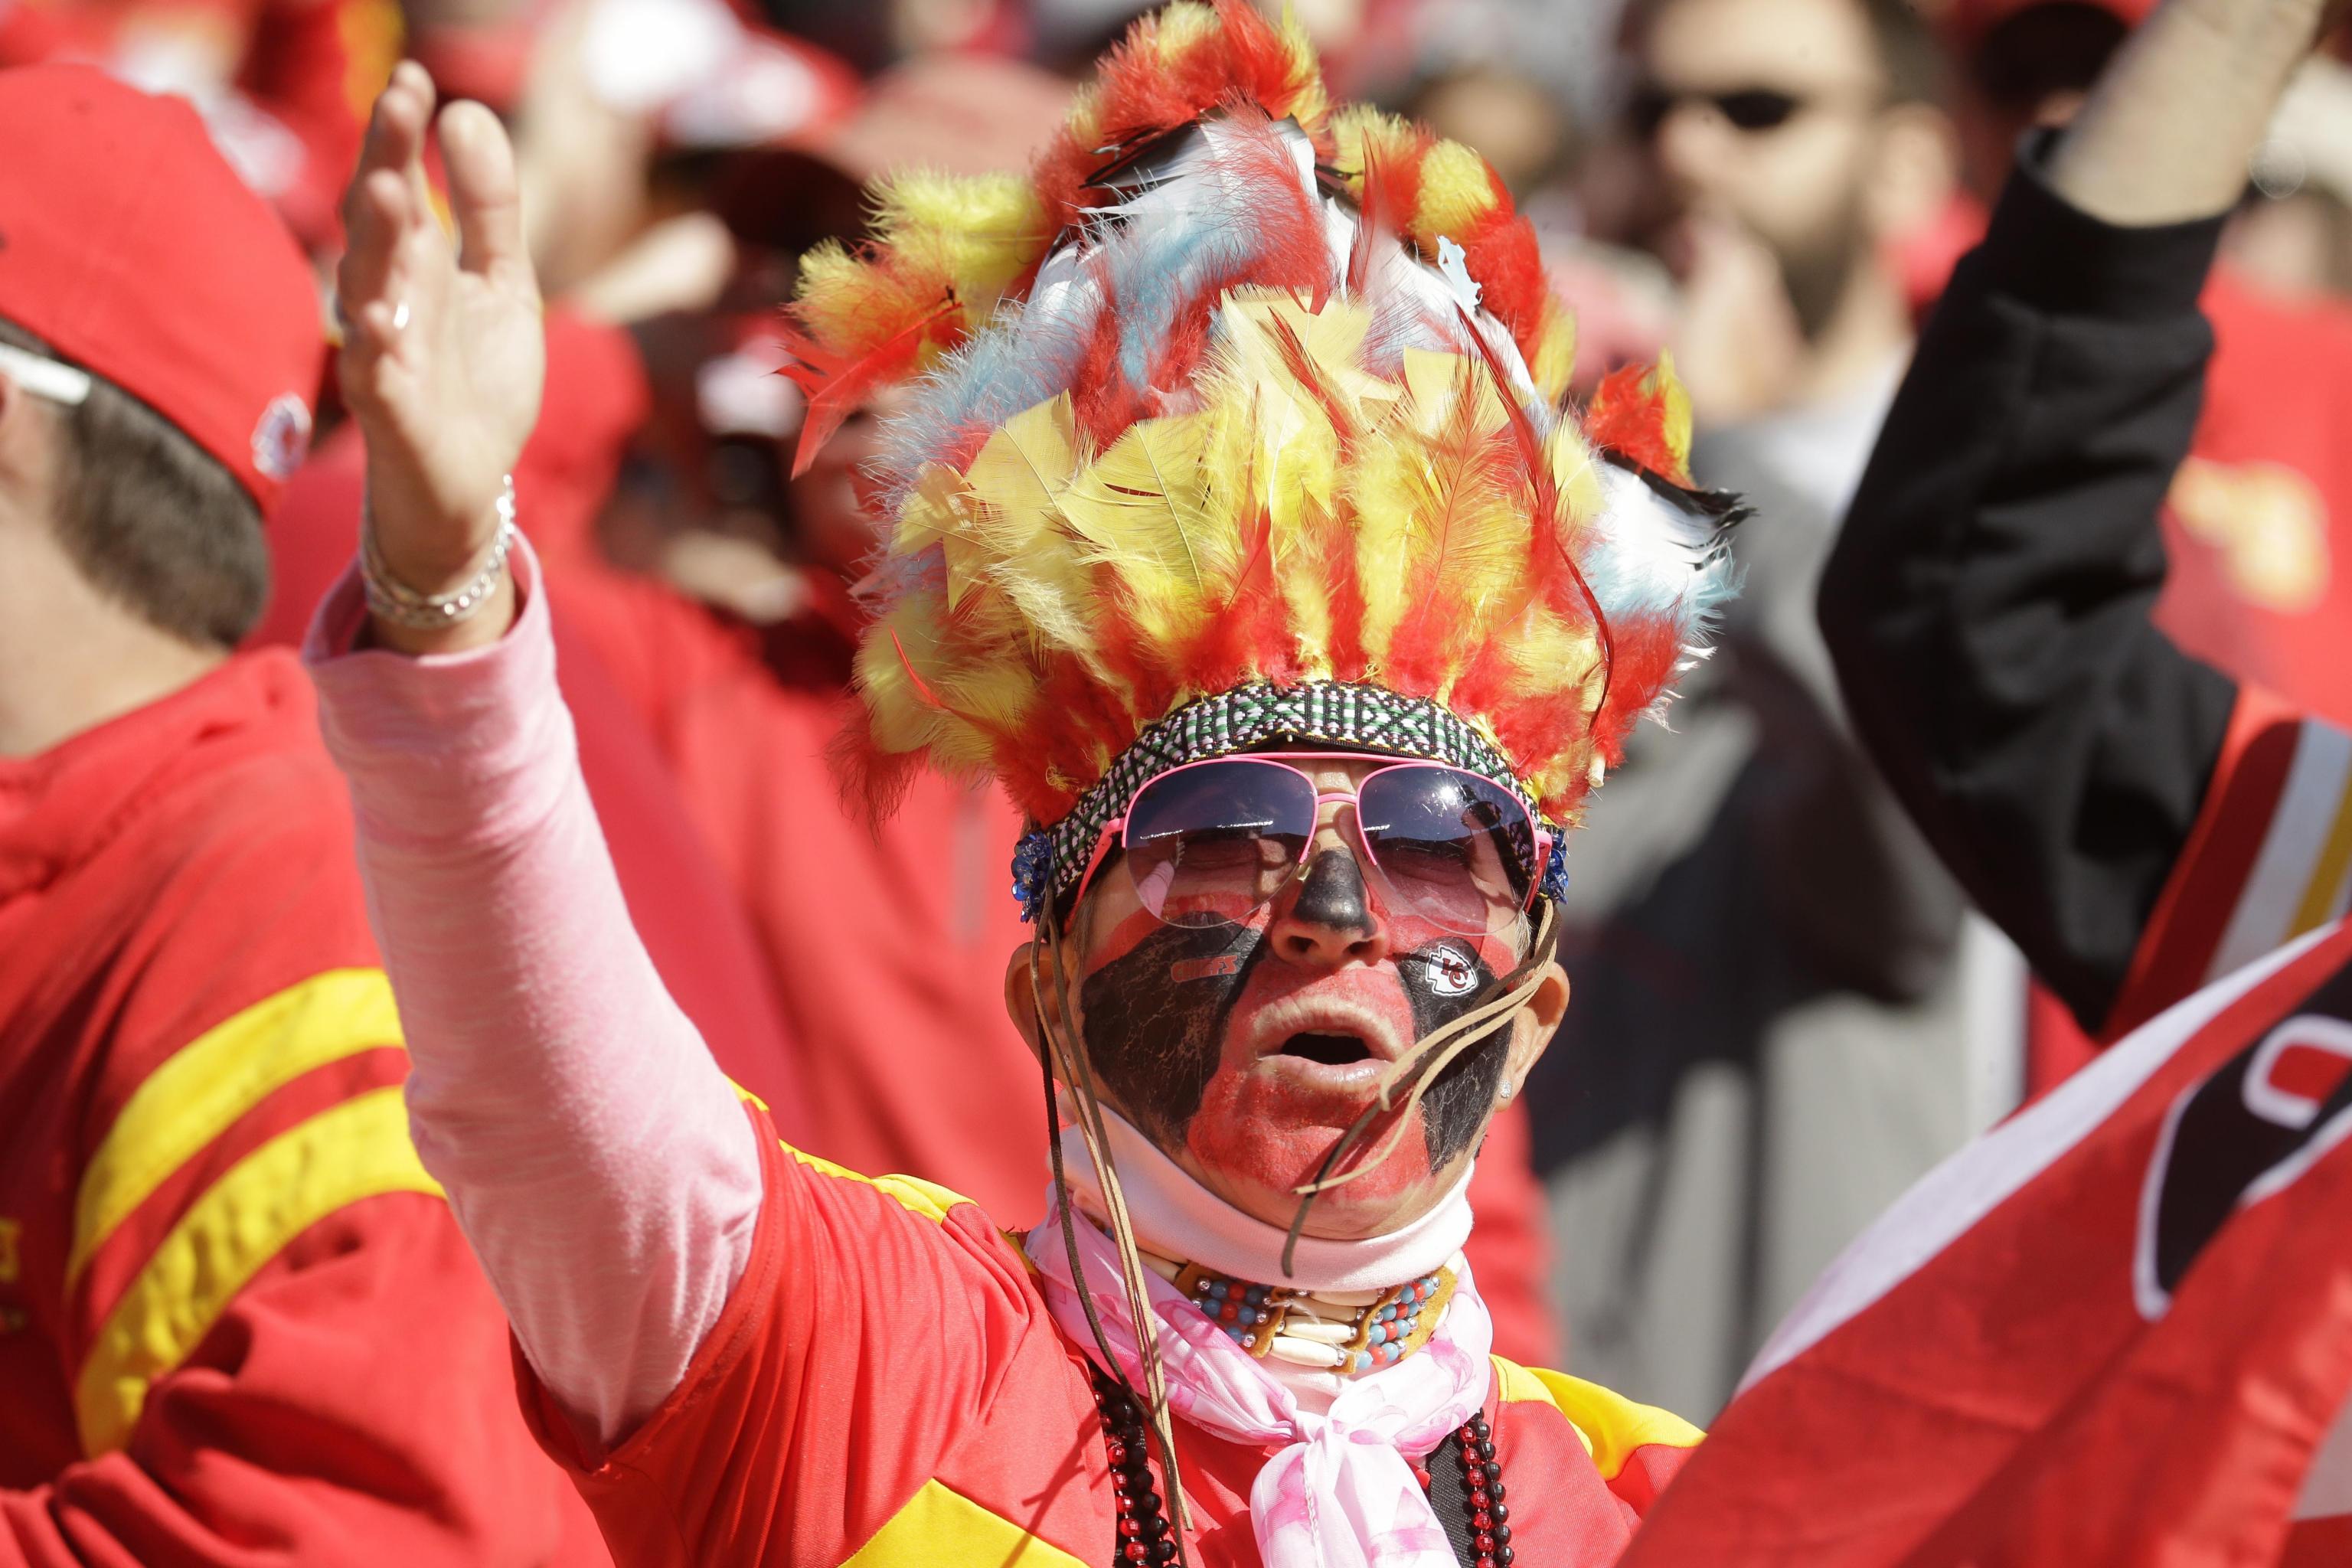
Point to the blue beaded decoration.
(1031, 859)
(1555, 873)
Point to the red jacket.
(238, 1323)
(887, 1387)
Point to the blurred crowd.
(1785, 1009)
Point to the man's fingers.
(395, 131)
(483, 192)
(377, 217)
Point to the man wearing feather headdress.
(1240, 533)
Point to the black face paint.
(1333, 894)
(1155, 1019)
(1443, 982)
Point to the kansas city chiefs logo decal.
(2247, 1132)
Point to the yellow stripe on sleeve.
(939, 1527)
(202, 1089)
(356, 1150)
(1610, 1425)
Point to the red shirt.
(236, 1319)
(887, 1387)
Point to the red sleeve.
(352, 1405)
(2266, 860)
(874, 1327)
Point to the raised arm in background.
(595, 1156)
(1989, 603)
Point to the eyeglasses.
(1752, 110)
(1213, 843)
(44, 378)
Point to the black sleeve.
(1988, 603)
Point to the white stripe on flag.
(1985, 1173)
(2327, 1485)
(2274, 893)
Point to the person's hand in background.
(443, 356)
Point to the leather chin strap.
(1062, 1044)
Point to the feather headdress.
(1241, 420)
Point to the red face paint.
(1228, 1046)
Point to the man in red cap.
(237, 1321)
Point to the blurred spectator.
(1770, 1036)
(236, 1319)
(283, 85)
(2296, 241)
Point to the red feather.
(1626, 417)
(837, 386)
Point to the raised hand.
(443, 356)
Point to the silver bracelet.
(403, 605)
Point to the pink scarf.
(1341, 1495)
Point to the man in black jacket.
(2135, 820)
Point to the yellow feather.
(1662, 379)
(1456, 190)
(981, 232)
(1554, 361)
(1032, 558)
(1144, 511)
(1181, 27)
(1441, 519)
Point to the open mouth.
(1332, 1050)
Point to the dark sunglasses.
(1753, 110)
(1213, 843)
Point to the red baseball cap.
(129, 246)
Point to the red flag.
(2116, 1329)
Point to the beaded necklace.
(1343, 1331)
(1468, 1501)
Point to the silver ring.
(400, 317)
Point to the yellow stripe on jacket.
(358, 1149)
(205, 1085)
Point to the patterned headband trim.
(1331, 713)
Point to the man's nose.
(1326, 918)
(1693, 146)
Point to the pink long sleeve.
(597, 1159)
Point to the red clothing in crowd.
(683, 904)
(887, 1387)
(237, 1318)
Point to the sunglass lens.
(1454, 847)
(1209, 845)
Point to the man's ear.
(1533, 1025)
(1021, 994)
